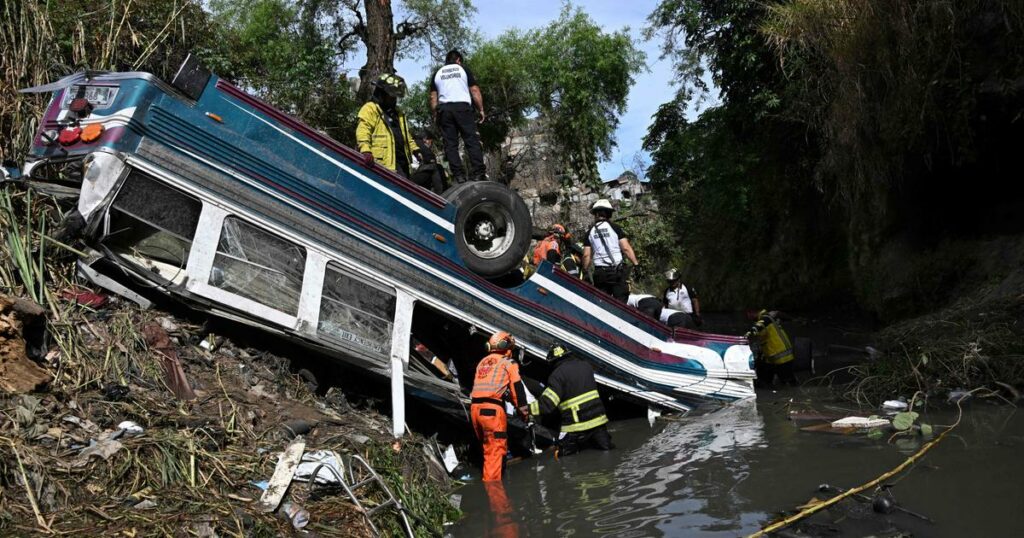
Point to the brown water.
(729, 472)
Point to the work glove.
(367, 159)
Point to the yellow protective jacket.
(775, 345)
(374, 136)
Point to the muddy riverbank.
(730, 472)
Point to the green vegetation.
(571, 74)
(861, 153)
(196, 459)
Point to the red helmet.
(557, 230)
(501, 342)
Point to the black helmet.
(557, 351)
(391, 84)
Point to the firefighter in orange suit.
(497, 380)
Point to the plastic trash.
(451, 461)
(652, 415)
(130, 428)
(860, 422)
(958, 395)
(894, 405)
(328, 459)
(298, 515)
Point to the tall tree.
(571, 74)
(430, 24)
(735, 182)
(285, 52)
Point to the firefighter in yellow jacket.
(382, 132)
(773, 350)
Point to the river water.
(729, 472)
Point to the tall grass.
(43, 41)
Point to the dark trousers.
(613, 281)
(455, 120)
(766, 373)
(429, 176)
(598, 438)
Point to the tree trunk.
(380, 45)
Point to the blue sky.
(652, 88)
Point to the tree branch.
(358, 29)
(409, 28)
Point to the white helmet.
(671, 274)
(603, 203)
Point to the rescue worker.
(558, 249)
(453, 95)
(604, 246)
(382, 133)
(648, 304)
(683, 298)
(572, 389)
(430, 173)
(497, 380)
(773, 350)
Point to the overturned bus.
(214, 198)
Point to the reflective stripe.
(573, 404)
(583, 426)
(578, 400)
(492, 378)
(551, 395)
(535, 407)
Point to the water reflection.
(656, 483)
(502, 522)
(643, 488)
(728, 472)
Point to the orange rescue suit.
(540, 253)
(497, 379)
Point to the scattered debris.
(861, 422)
(451, 461)
(283, 474)
(958, 396)
(326, 464)
(130, 428)
(18, 373)
(894, 405)
(297, 515)
(174, 376)
(84, 297)
(104, 447)
(145, 505)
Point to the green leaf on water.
(903, 421)
(875, 433)
(926, 430)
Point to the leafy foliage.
(44, 41)
(571, 74)
(285, 52)
(734, 181)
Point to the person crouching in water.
(497, 380)
(382, 133)
(572, 389)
